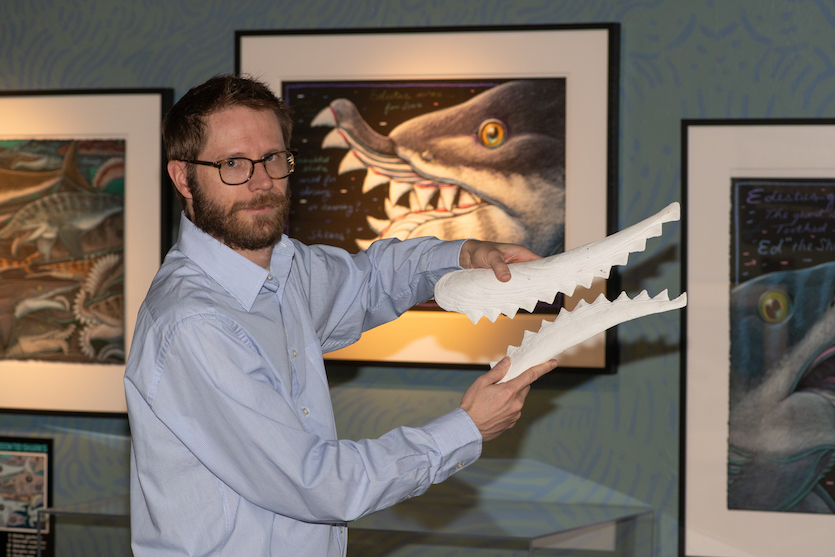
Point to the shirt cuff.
(458, 440)
(449, 254)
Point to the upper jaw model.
(477, 292)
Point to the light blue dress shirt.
(234, 445)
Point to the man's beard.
(262, 231)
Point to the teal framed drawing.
(758, 419)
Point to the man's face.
(251, 216)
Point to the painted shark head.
(478, 293)
(782, 391)
(492, 168)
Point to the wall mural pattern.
(709, 59)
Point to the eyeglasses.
(238, 170)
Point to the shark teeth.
(372, 180)
(585, 321)
(350, 162)
(334, 140)
(478, 293)
(409, 193)
(424, 193)
(397, 189)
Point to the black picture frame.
(716, 154)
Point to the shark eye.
(774, 306)
(491, 133)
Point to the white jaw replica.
(478, 293)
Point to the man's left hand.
(491, 255)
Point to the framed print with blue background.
(758, 419)
(506, 134)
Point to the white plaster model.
(477, 292)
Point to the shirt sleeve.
(211, 394)
(355, 293)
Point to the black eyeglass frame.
(291, 163)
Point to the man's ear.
(178, 173)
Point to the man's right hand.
(495, 407)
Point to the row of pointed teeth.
(661, 302)
(394, 171)
(417, 195)
(586, 320)
(408, 192)
(419, 201)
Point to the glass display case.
(531, 527)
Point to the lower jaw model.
(478, 293)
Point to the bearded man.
(234, 449)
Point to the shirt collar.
(236, 274)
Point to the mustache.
(269, 199)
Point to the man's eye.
(272, 157)
(231, 163)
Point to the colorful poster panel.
(25, 488)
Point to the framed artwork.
(505, 134)
(758, 420)
(25, 488)
(83, 220)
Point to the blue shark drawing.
(492, 168)
(782, 389)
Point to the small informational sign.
(25, 488)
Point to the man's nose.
(260, 179)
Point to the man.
(234, 446)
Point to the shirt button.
(294, 353)
(459, 465)
(305, 411)
(269, 277)
(340, 529)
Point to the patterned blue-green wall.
(679, 59)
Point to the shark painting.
(781, 431)
(782, 414)
(490, 167)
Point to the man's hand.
(491, 255)
(495, 407)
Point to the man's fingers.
(500, 268)
(498, 371)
